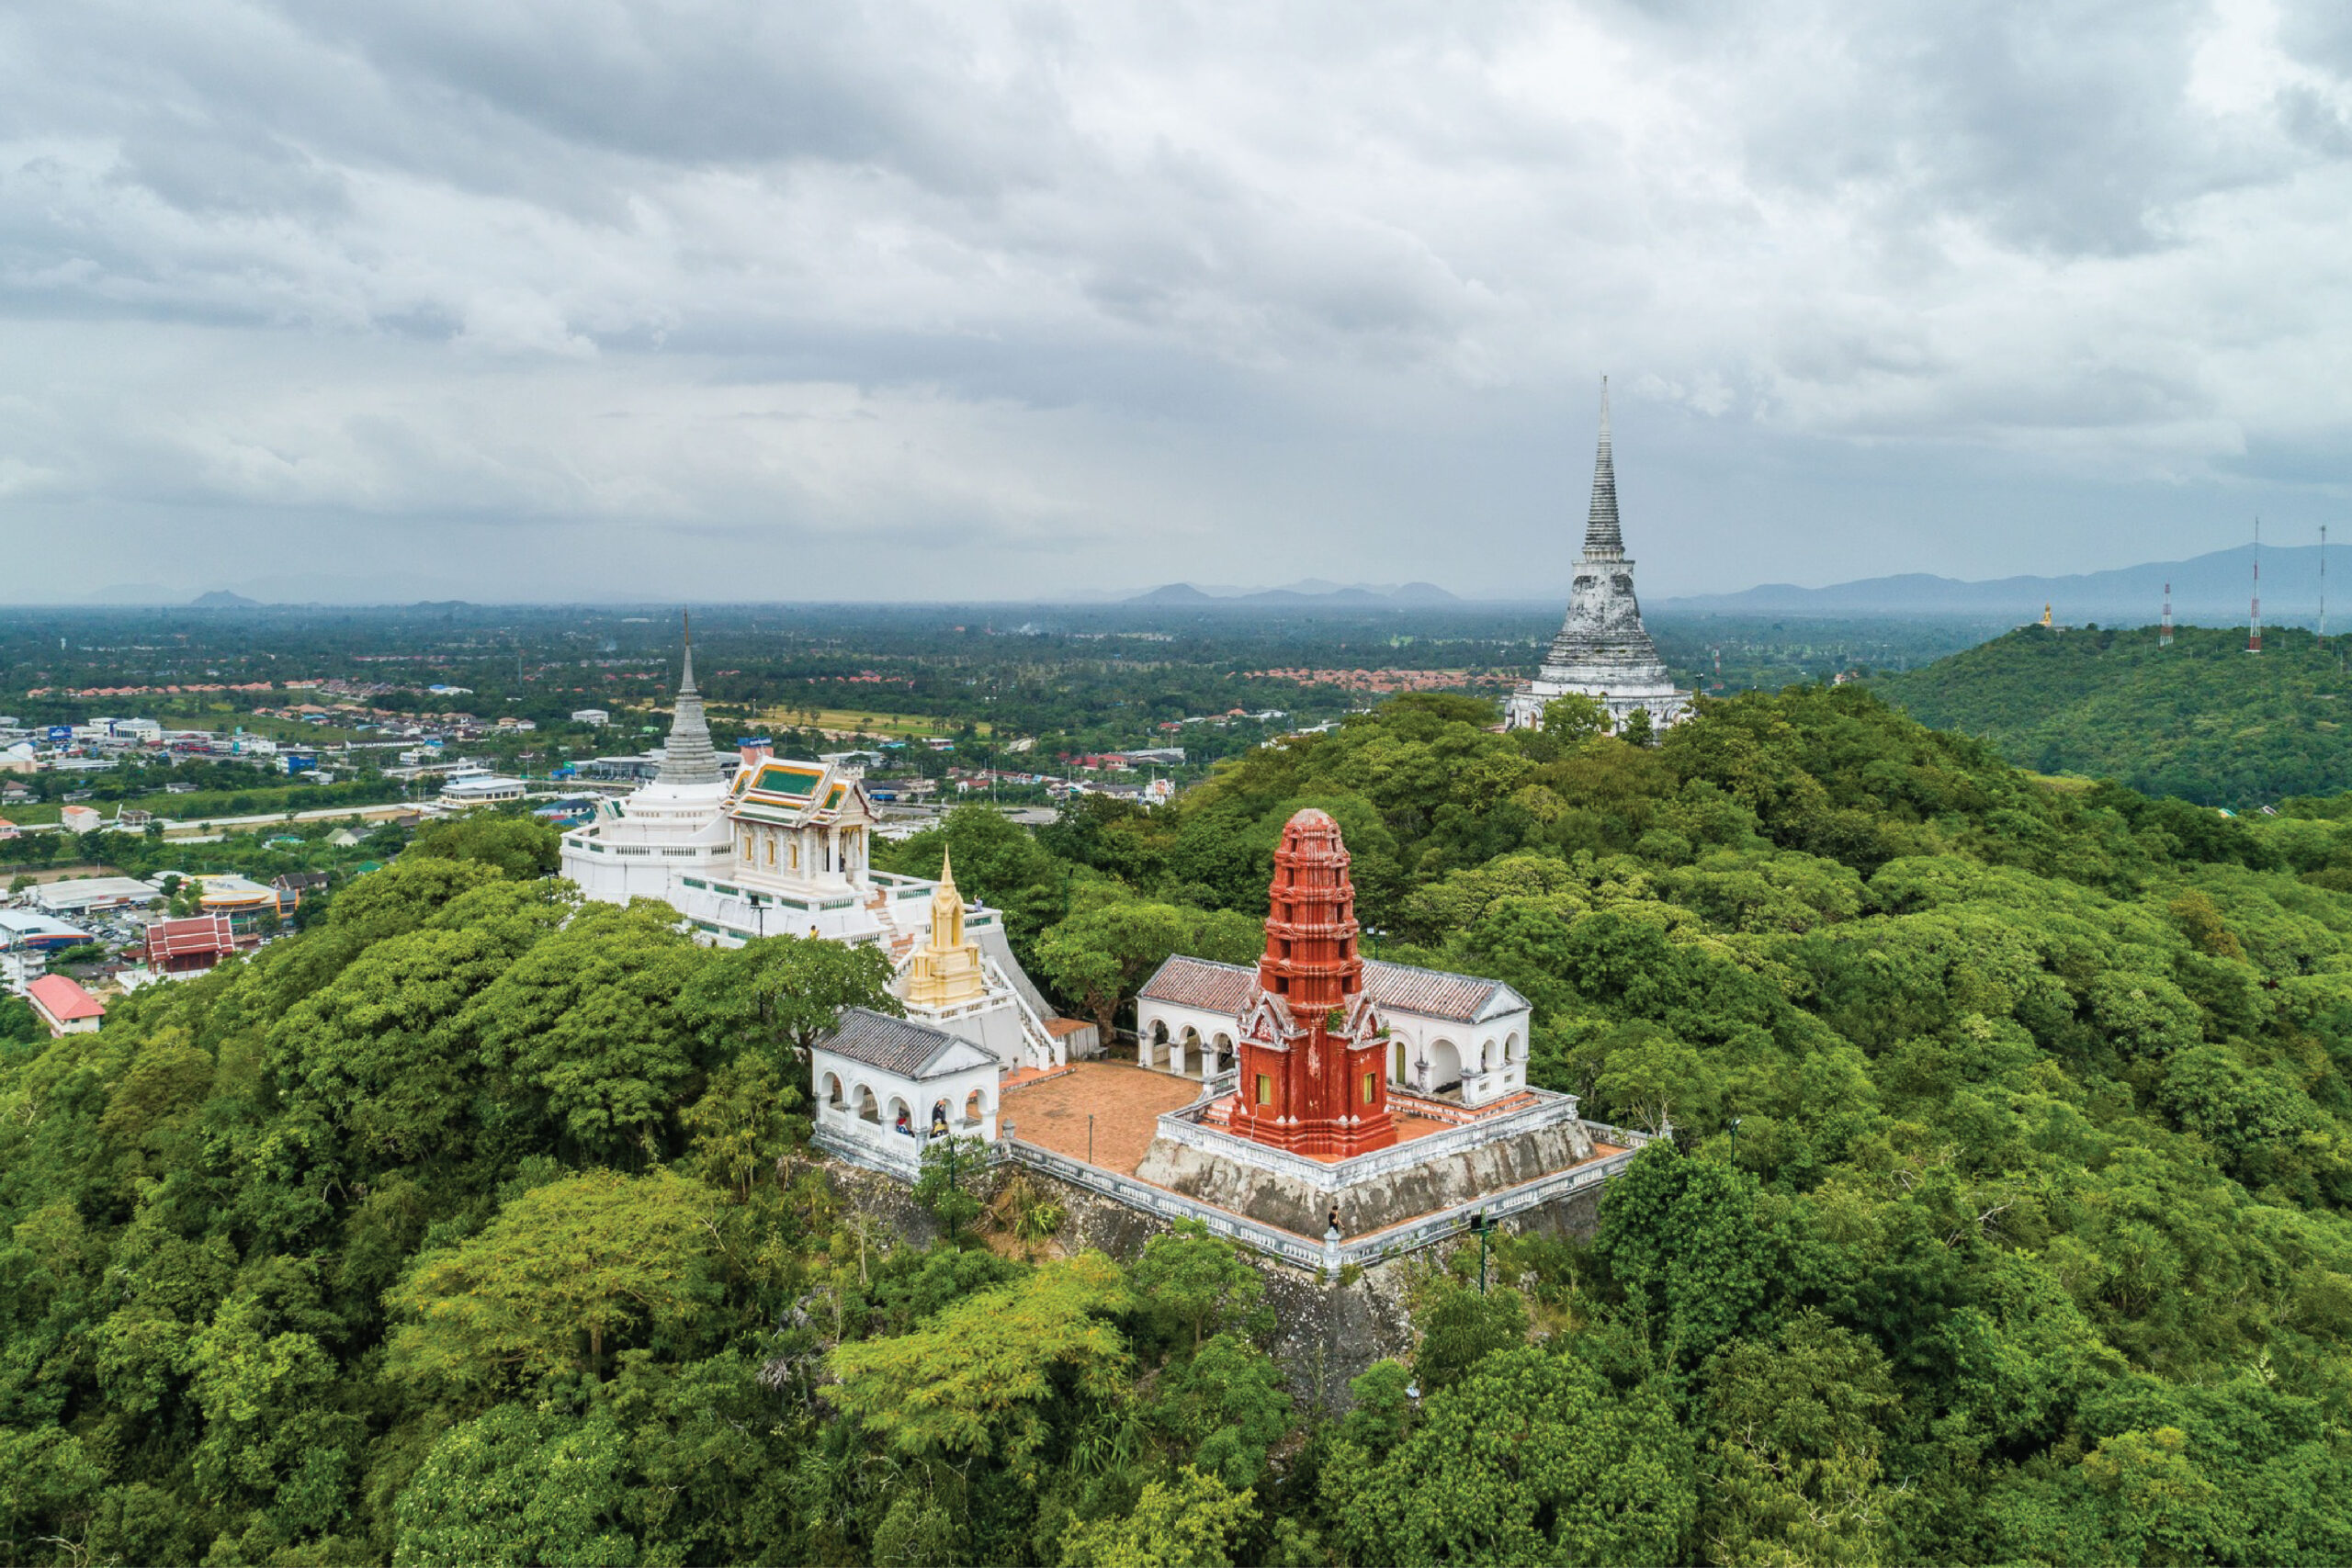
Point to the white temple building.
(886, 1086)
(1451, 1037)
(1603, 651)
(760, 846)
(755, 846)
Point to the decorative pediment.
(1266, 1019)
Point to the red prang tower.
(1314, 1056)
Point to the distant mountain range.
(1309, 591)
(2212, 589)
(310, 588)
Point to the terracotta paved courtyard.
(1125, 1101)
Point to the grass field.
(212, 803)
(851, 721)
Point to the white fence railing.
(1159, 1201)
(1325, 1255)
(1183, 1126)
(1430, 1229)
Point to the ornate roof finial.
(1602, 539)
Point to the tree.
(1193, 1523)
(785, 993)
(952, 1169)
(1102, 955)
(1199, 1282)
(975, 1377)
(743, 1124)
(1575, 718)
(1460, 1326)
(1681, 1238)
(589, 1017)
(1225, 1408)
(518, 1487)
(19, 1025)
(517, 846)
(1533, 1457)
(561, 1270)
(1795, 1448)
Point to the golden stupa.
(945, 972)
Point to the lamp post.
(953, 1190)
(1734, 1141)
(1089, 1138)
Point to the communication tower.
(2164, 636)
(2322, 582)
(2254, 624)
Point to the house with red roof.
(189, 946)
(66, 1007)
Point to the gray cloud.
(930, 299)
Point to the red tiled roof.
(196, 933)
(62, 999)
(1435, 994)
(1225, 989)
(1201, 983)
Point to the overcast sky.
(713, 300)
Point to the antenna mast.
(2253, 627)
(2164, 637)
(2322, 582)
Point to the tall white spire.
(688, 758)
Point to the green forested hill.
(2202, 720)
(2007, 1216)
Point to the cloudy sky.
(739, 299)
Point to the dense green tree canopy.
(2003, 1213)
(2200, 720)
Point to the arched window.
(868, 1108)
(976, 1106)
(831, 1089)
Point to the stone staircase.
(898, 940)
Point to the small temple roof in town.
(900, 1045)
(63, 1000)
(195, 934)
(1225, 989)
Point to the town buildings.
(1602, 651)
(63, 1007)
(190, 945)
